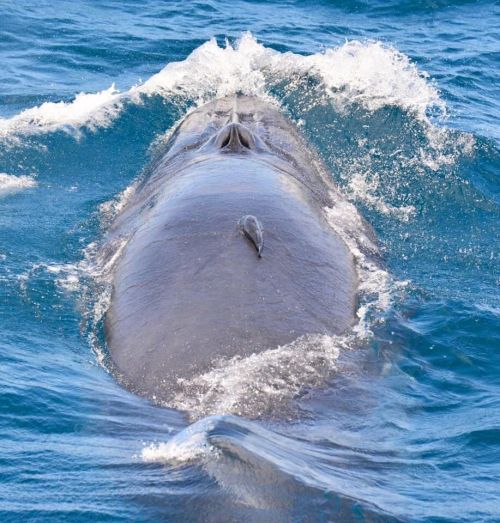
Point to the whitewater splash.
(367, 73)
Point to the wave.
(90, 110)
(244, 458)
(359, 81)
(367, 73)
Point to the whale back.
(189, 288)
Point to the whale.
(227, 250)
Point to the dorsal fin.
(252, 229)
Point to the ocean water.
(401, 420)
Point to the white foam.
(375, 75)
(66, 275)
(90, 110)
(219, 71)
(97, 269)
(262, 383)
(367, 73)
(376, 178)
(443, 150)
(108, 210)
(11, 183)
(363, 186)
(189, 446)
(375, 285)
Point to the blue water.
(400, 99)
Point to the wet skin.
(189, 287)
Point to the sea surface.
(402, 421)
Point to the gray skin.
(189, 287)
